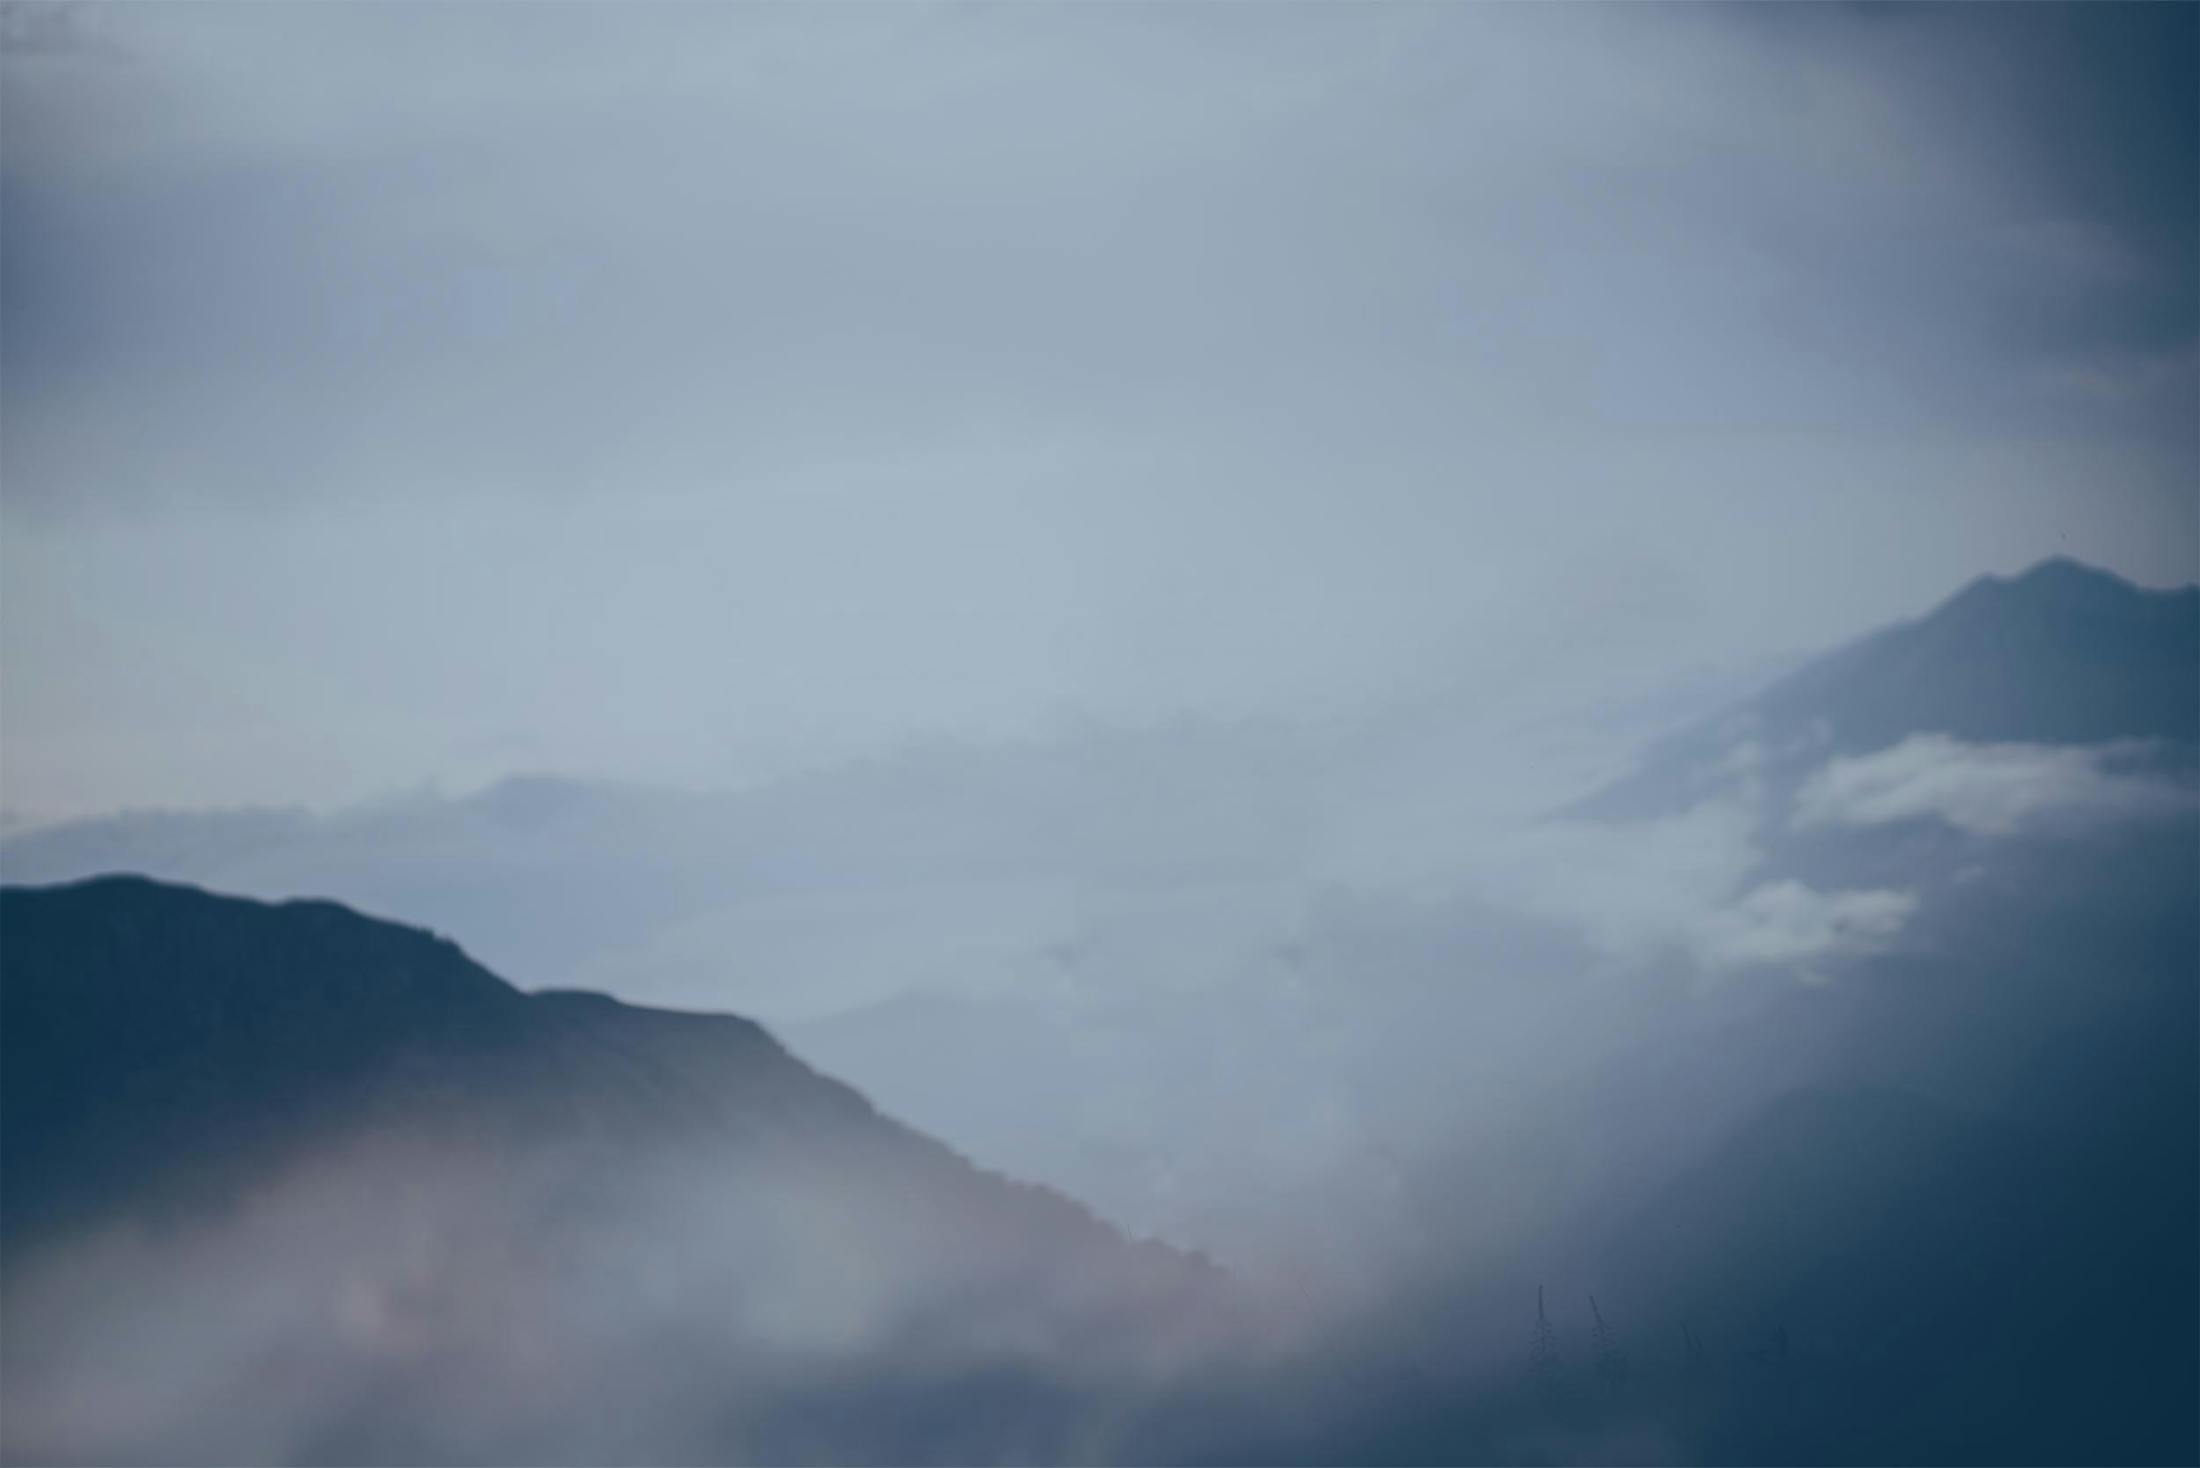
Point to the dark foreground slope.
(288, 1183)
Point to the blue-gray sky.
(396, 393)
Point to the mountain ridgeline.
(289, 1183)
(2063, 654)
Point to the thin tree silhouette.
(1543, 1361)
(1611, 1361)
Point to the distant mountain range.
(690, 1244)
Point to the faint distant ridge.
(2063, 653)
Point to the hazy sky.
(428, 391)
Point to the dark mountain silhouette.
(2062, 654)
(500, 1225)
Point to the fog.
(438, 394)
(1232, 985)
(1353, 635)
(386, 1300)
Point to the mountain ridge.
(2060, 654)
(440, 1167)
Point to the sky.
(407, 394)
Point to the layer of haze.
(424, 393)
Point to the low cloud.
(1789, 923)
(1984, 789)
(1684, 886)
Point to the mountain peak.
(2060, 653)
(2068, 571)
(2060, 583)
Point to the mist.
(1336, 679)
(435, 396)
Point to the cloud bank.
(1684, 886)
(1984, 789)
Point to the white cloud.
(1985, 789)
(1682, 886)
(1788, 923)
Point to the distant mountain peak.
(2065, 571)
(2060, 653)
(2059, 583)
